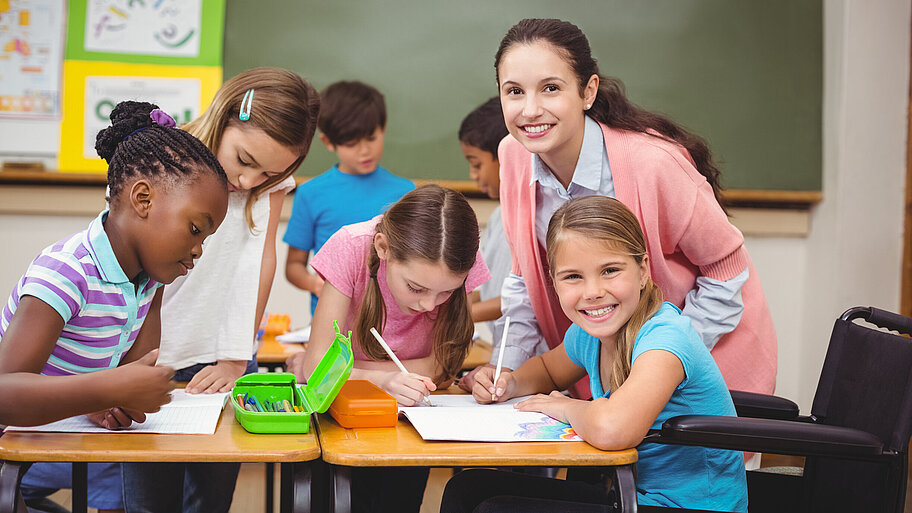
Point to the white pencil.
(394, 358)
(503, 343)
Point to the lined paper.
(193, 414)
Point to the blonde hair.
(435, 224)
(607, 220)
(285, 107)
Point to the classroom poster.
(173, 32)
(31, 56)
(94, 88)
(159, 27)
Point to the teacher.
(574, 133)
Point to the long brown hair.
(611, 106)
(285, 107)
(607, 220)
(435, 224)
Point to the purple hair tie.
(162, 118)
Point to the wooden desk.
(402, 446)
(272, 354)
(230, 443)
(479, 354)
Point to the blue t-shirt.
(335, 199)
(674, 475)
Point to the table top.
(229, 443)
(277, 352)
(403, 446)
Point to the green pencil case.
(276, 388)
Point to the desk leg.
(296, 488)
(80, 485)
(340, 484)
(626, 488)
(11, 473)
(270, 487)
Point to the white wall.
(852, 252)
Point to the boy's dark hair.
(484, 127)
(136, 146)
(350, 111)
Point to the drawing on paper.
(547, 429)
(169, 28)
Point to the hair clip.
(248, 103)
(162, 118)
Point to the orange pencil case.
(361, 403)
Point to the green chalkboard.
(746, 75)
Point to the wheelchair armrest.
(762, 406)
(769, 435)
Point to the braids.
(135, 146)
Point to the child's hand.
(408, 389)
(467, 382)
(295, 365)
(115, 418)
(553, 405)
(484, 390)
(217, 378)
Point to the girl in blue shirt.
(645, 364)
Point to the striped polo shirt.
(103, 310)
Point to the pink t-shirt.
(342, 261)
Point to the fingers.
(116, 418)
(137, 415)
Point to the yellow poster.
(92, 89)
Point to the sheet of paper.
(460, 418)
(296, 336)
(195, 414)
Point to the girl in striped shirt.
(85, 304)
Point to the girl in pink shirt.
(407, 274)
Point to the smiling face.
(361, 156)
(598, 287)
(180, 217)
(483, 168)
(541, 101)
(250, 157)
(417, 285)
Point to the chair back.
(866, 384)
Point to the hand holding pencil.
(398, 363)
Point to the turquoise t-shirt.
(674, 475)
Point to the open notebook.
(460, 418)
(196, 414)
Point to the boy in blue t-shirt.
(352, 123)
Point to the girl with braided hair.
(86, 303)
(407, 273)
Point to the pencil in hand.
(394, 358)
(503, 343)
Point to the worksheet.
(195, 414)
(460, 418)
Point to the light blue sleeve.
(715, 307)
(299, 233)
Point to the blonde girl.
(645, 363)
(259, 126)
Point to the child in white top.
(260, 127)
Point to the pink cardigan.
(687, 235)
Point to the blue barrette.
(248, 103)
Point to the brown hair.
(351, 111)
(604, 219)
(484, 127)
(435, 224)
(611, 106)
(285, 107)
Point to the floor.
(249, 495)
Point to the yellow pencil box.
(269, 392)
